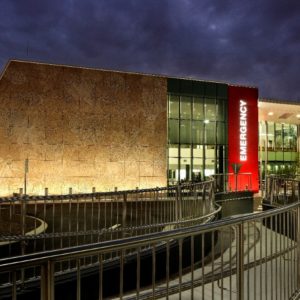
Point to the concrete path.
(271, 279)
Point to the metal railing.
(231, 182)
(281, 190)
(40, 223)
(256, 256)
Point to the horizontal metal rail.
(254, 256)
(281, 190)
(40, 223)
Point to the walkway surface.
(271, 279)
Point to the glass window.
(198, 113)
(198, 151)
(278, 136)
(197, 132)
(173, 173)
(185, 168)
(209, 167)
(221, 133)
(185, 132)
(173, 106)
(286, 137)
(197, 173)
(173, 131)
(293, 135)
(209, 151)
(220, 110)
(185, 150)
(185, 107)
(262, 135)
(271, 136)
(210, 109)
(210, 133)
(173, 151)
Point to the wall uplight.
(270, 113)
(298, 116)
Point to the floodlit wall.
(81, 128)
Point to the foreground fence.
(282, 190)
(50, 222)
(255, 256)
(250, 257)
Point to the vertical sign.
(243, 137)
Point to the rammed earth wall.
(81, 128)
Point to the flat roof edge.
(279, 101)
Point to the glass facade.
(197, 130)
(278, 148)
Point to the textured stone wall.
(81, 128)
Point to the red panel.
(243, 136)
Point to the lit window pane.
(185, 169)
(198, 131)
(185, 107)
(197, 173)
(221, 133)
(198, 151)
(210, 109)
(198, 106)
(174, 107)
(210, 133)
(173, 131)
(185, 132)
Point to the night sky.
(249, 42)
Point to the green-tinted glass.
(173, 131)
(173, 106)
(185, 132)
(220, 115)
(198, 132)
(198, 106)
(221, 133)
(185, 107)
(210, 133)
(210, 109)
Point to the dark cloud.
(239, 41)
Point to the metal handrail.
(115, 245)
(239, 264)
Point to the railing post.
(293, 191)
(47, 281)
(23, 227)
(124, 213)
(271, 190)
(178, 202)
(240, 262)
(204, 206)
(211, 197)
(284, 192)
(267, 187)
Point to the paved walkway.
(271, 279)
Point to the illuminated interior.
(197, 130)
